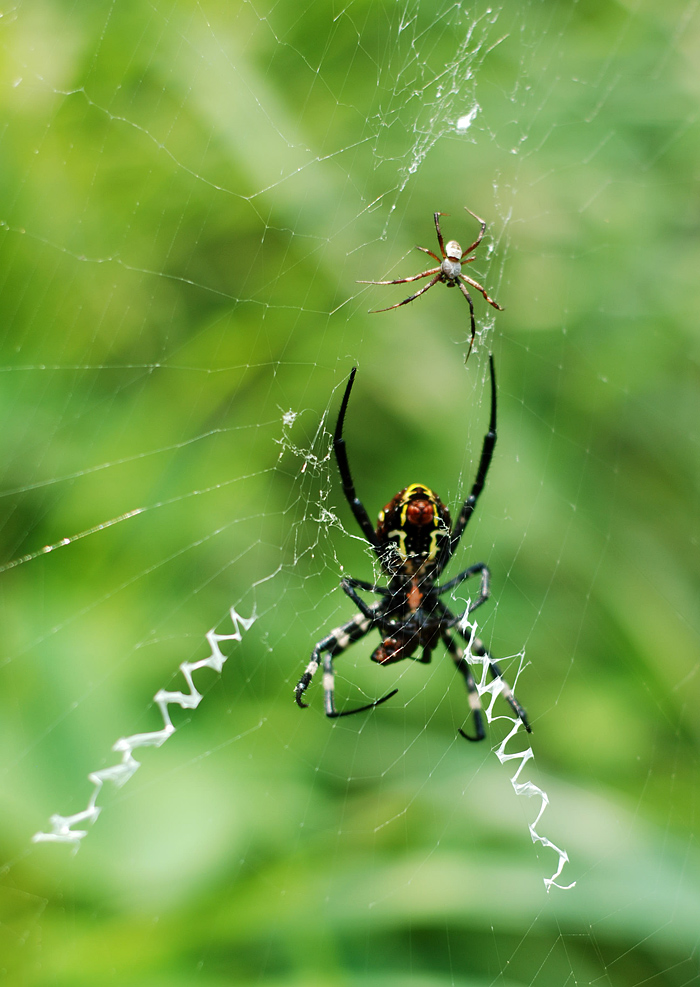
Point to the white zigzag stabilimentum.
(62, 830)
(494, 689)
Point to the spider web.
(191, 193)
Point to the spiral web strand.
(62, 826)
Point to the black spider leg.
(328, 687)
(339, 639)
(463, 667)
(369, 613)
(341, 456)
(469, 505)
(362, 584)
(337, 642)
(484, 590)
(373, 613)
(478, 648)
(348, 585)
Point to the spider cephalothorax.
(449, 272)
(414, 540)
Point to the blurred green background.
(189, 193)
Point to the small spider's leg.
(439, 233)
(328, 687)
(411, 298)
(484, 591)
(465, 671)
(335, 643)
(475, 284)
(481, 233)
(341, 456)
(415, 277)
(426, 251)
(479, 648)
(463, 289)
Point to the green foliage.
(189, 194)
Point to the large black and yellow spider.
(449, 272)
(414, 540)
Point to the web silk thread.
(493, 689)
(62, 826)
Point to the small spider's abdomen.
(451, 266)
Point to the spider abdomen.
(451, 270)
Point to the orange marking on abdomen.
(414, 596)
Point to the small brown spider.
(449, 272)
